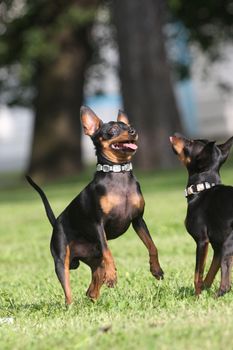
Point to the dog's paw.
(222, 291)
(110, 283)
(92, 294)
(198, 292)
(157, 273)
(110, 278)
(199, 287)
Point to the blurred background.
(167, 63)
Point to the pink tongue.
(130, 145)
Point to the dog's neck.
(206, 176)
(101, 159)
(121, 172)
(209, 177)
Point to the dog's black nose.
(132, 131)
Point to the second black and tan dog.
(103, 210)
(210, 208)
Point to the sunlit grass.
(140, 313)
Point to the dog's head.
(200, 155)
(116, 141)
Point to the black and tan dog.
(210, 208)
(103, 210)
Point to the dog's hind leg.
(225, 284)
(61, 254)
(110, 278)
(90, 254)
(63, 273)
(201, 255)
(226, 265)
(98, 276)
(214, 267)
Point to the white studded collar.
(115, 168)
(196, 188)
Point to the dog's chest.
(119, 210)
(121, 203)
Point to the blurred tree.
(144, 68)
(44, 51)
(146, 80)
(209, 23)
(208, 27)
(45, 47)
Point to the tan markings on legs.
(153, 252)
(197, 283)
(201, 255)
(110, 268)
(143, 232)
(109, 201)
(67, 276)
(98, 274)
(214, 267)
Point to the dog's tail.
(47, 206)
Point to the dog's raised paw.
(111, 283)
(158, 274)
(110, 279)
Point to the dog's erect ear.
(204, 158)
(91, 123)
(225, 149)
(122, 117)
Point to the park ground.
(140, 313)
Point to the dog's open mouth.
(127, 146)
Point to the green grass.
(140, 313)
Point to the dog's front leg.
(141, 229)
(201, 254)
(110, 278)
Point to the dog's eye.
(114, 130)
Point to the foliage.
(208, 23)
(30, 35)
(140, 313)
(30, 31)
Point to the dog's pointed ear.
(90, 122)
(225, 148)
(204, 158)
(122, 117)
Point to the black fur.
(210, 212)
(103, 210)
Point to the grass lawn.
(140, 313)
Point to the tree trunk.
(146, 80)
(56, 147)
